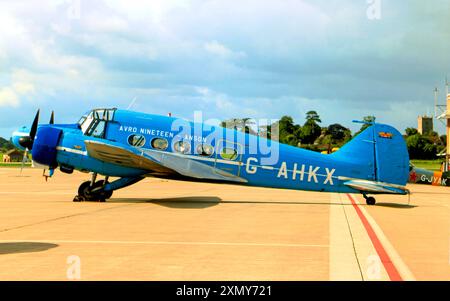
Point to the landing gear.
(100, 191)
(370, 200)
(93, 190)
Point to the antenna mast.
(436, 91)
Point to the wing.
(155, 162)
(373, 186)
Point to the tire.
(102, 195)
(78, 199)
(84, 189)
(371, 201)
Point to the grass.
(15, 164)
(428, 164)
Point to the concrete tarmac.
(171, 230)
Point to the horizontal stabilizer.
(374, 187)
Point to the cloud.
(8, 98)
(222, 51)
(258, 58)
(23, 88)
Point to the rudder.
(380, 150)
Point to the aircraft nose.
(19, 137)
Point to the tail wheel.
(370, 201)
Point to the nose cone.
(19, 136)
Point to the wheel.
(84, 191)
(101, 194)
(89, 194)
(370, 201)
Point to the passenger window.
(182, 147)
(229, 153)
(159, 143)
(136, 140)
(205, 150)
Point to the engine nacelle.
(44, 147)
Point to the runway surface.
(169, 230)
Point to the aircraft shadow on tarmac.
(397, 206)
(192, 202)
(200, 202)
(24, 247)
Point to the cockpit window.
(87, 122)
(82, 119)
(90, 123)
(106, 114)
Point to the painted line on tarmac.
(392, 262)
(193, 243)
(38, 192)
(343, 255)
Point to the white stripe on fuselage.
(72, 150)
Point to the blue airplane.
(129, 146)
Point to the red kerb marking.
(392, 271)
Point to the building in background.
(13, 155)
(424, 124)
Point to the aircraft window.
(160, 143)
(228, 153)
(182, 147)
(104, 114)
(82, 119)
(136, 140)
(87, 123)
(98, 130)
(205, 150)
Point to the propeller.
(27, 141)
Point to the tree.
(313, 116)
(5, 145)
(287, 131)
(245, 125)
(265, 131)
(337, 132)
(291, 139)
(237, 124)
(419, 147)
(411, 131)
(433, 137)
(233, 123)
(368, 120)
(311, 130)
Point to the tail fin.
(381, 152)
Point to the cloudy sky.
(247, 58)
